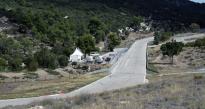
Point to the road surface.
(188, 38)
(130, 70)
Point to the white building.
(77, 56)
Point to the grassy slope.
(41, 88)
(167, 92)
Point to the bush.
(15, 64)
(161, 37)
(197, 43)
(113, 41)
(31, 75)
(33, 65)
(53, 72)
(47, 59)
(3, 77)
(63, 60)
(172, 48)
(3, 64)
(86, 43)
(198, 77)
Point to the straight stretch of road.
(130, 70)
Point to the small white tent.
(76, 56)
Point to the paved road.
(184, 38)
(130, 70)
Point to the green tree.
(136, 22)
(172, 48)
(3, 64)
(32, 64)
(63, 60)
(97, 29)
(157, 38)
(58, 49)
(86, 43)
(47, 59)
(113, 41)
(22, 2)
(15, 64)
(27, 45)
(199, 43)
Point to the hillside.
(177, 12)
(56, 27)
(172, 14)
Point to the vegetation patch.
(31, 76)
(3, 77)
(198, 77)
(151, 69)
(53, 72)
(47, 87)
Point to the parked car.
(99, 60)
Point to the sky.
(200, 1)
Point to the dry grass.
(169, 92)
(39, 88)
(190, 58)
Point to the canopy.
(76, 56)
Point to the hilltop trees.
(136, 22)
(97, 29)
(172, 48)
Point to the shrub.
(197, 43)
(86, 43)
(198, 77)
(172, 48)
(47, 59)
(3, 64)
(31, 75)
(3, 77)
(113, 41)
(161, 37)
(53, 72)
(63, 60)
(33, 65)
(15, 64)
